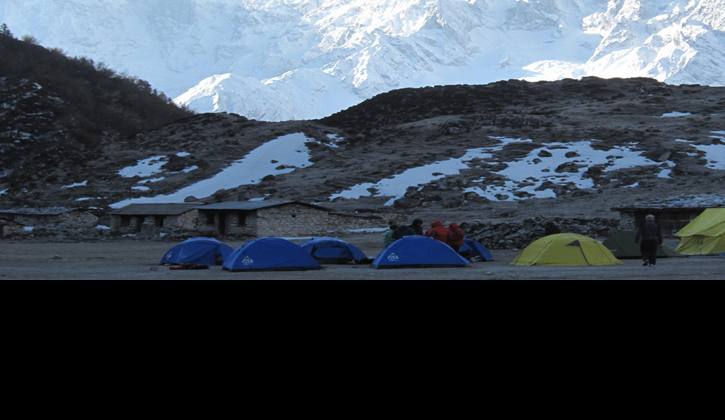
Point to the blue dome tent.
(419, 251)
(198, 251)
(334, 251)
(270, 254)
(472, 249)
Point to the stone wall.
(299, 220)
(291, 220)
(146, 225)
(670, 220)
(187, 221)
(627, 221)
(518, 235)
(71, 224)
(232, 226)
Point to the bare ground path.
(137, 260)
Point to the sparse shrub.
(5, 31)
(29, 39)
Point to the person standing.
(649, 237)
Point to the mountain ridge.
(317, 57)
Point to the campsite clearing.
(138, 260)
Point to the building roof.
(155, 209)
(34, 211)
(695, 202)
(255, 205)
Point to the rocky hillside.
(57, 115)
(505, 150)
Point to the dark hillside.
(95, 95)
(495, 99)
(58, 113)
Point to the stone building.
(672, 214)
(278, 218)
(153, 219)
(236, 219)
(52, 221)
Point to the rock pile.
(517, 235)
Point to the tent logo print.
(247, 261)
(393, 257)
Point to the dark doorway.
(222, 224)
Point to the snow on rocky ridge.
(553, 163)
(304, 59)
(714, 153)
(279, 156)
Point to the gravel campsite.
(139, 260)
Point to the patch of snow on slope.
(666, 173)
(190, 169)
(144, 168)
(676, 114)
(3, 192)
(289, 151)
(152, 180)
(715, 155)
(397, 185)
(75, 185)
(530, 173)
(335, 141)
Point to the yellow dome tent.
(705, 235)
(566, 249)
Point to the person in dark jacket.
(649, 238)
(438, 232)
(416, 228)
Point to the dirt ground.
(138, 260)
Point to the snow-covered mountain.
(304, 59)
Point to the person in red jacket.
(438, 232)
(456, 236)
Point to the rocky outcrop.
(518, 235)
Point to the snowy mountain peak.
(283, 59)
